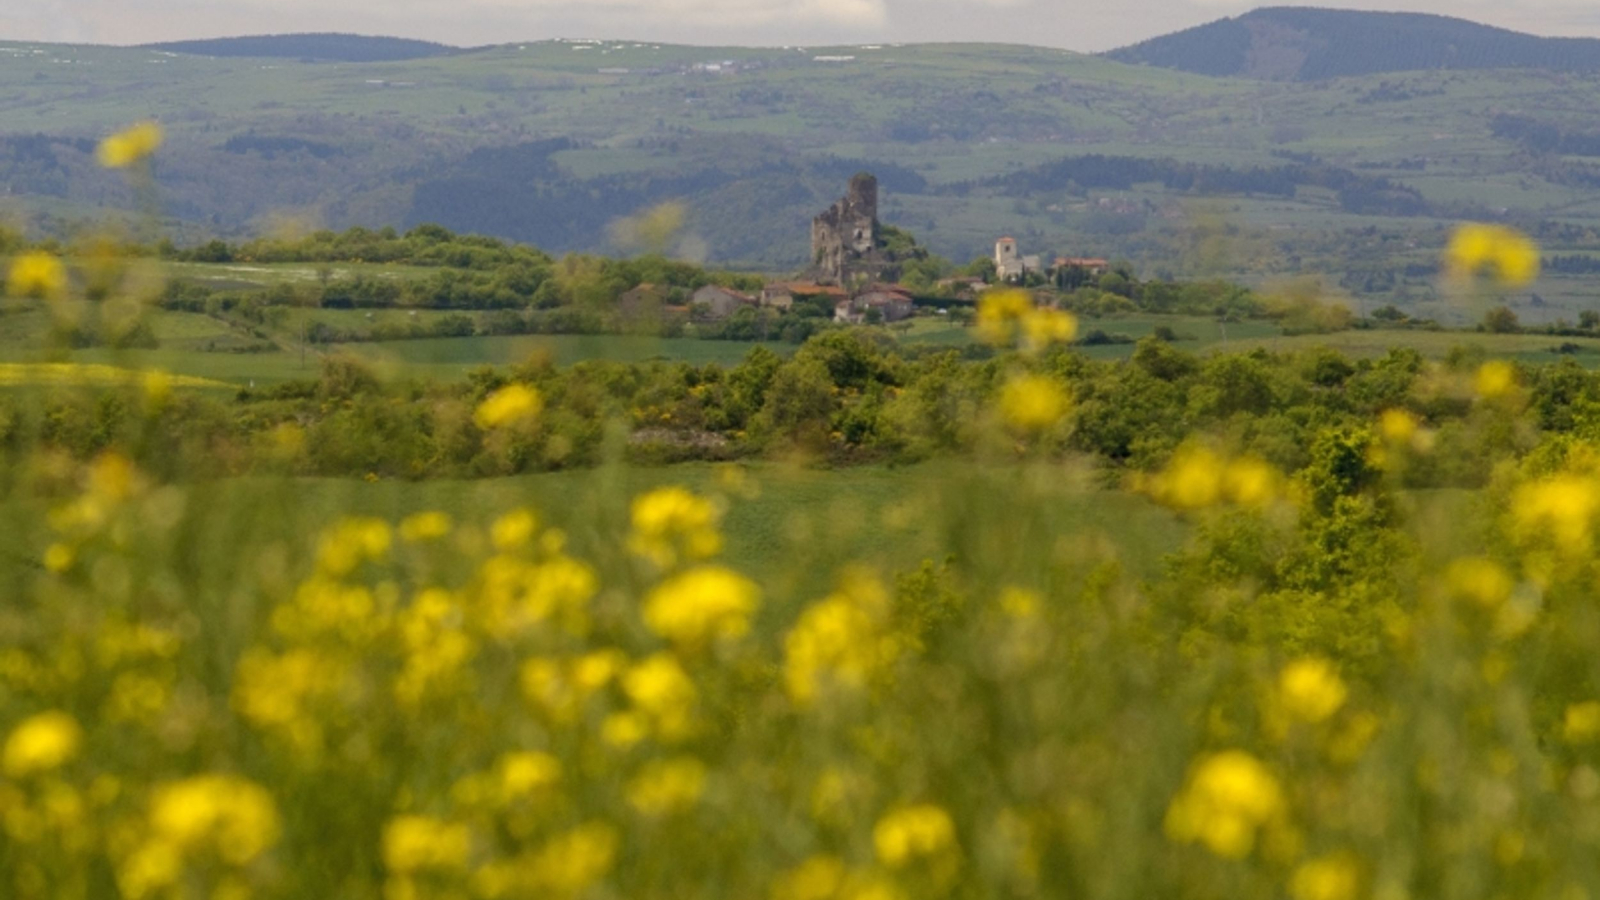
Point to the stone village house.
(892, 303)
(718, 302)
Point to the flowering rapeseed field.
(439, 708)
(1332, 693)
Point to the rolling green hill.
(312, 47)
(1307, 44)
(1356, 179)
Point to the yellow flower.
(1582, 724)
(510, 405)
(1397, 426)
(130, 146)
(841, 641)
(424, 526)
(58, 558)
(915, 831)
(413, 843)
(999, 313)
(1020, 603)
(42, 743)
(513, 530)
(1248, 481)
(234, 816)
(1227, 797)
(661, 690)
(1336, 876)
(1043, 327)
(818, 878)
(1311, 689)
(1562, 506)
(37, 275)
(573, 861)
(668, 786)
(1033, 402)
(1483, 581)
(1192, 480)
(702, 603)
(525, 772)
(672, 520)
(350, 542)
(1504, 254)
(1495, 378)
(623, 730)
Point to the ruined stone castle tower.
(844, 240)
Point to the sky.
(1084, 25)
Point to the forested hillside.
(559, 143)
(1300, 44)
(312, 47)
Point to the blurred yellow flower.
(1504, 254)
(1227, 797)
(914, 831)
(130, 146)
(623, 730)
(1398, 426)
(573, 861)
(1043, 327)
(1192, 480)
(350, 542)
(58, 558)
(700, 604)
(228, 814)
(511, 405)
(38, 275)
(525, 772)
(1020, 603)
(671, 521)
(1311, 689)
(1562, 506)
(1495, 378)
(413, 843)
(425, 526)
(818, 878)
(668, 786)
(513, 530)
(1248, 481)
(1033, 402)
(1582, 723)
(840, 641)
(1336, 876)
(661, 690)
(1483, 581)
(999, 313)
(42, 743)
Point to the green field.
(207, 347)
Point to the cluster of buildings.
(876, 302)
(847, 249)
(1011, 265)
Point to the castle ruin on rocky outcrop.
(844, 240)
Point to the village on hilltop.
(856, 269)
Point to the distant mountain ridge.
(318, 47)
(1313, 44)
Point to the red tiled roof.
(808, 287)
